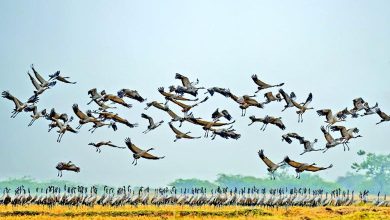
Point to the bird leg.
(78, 127)
(146, 131)
(303, 152)
(31, 122)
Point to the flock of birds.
(253, 196)
(221, 123)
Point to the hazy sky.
(336, 50)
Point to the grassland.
(186, 212)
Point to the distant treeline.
(376, 178)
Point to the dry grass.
(186, 212)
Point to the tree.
(376, 167)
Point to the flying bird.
(115, 99)
(330, 118)
(84, 118)
(272, 167)
(383, 116)
(19, 106)
(300, 167)
(138, 153)
(64, 127)
(151, 125)
(331, 142)
(69, 166)
(268, 120)
(157, 105)
(43, 82)
(370, 110)
(346, 134)
(103, 143)
(271, 98)
(288, 99)
(262, 85)
(186, 108)
(58, 77)
(95, 95)
(303, 107)
(179, 134)
(219, 114)
(222, 91)
(116, 118)
(287, 137)
(132, 94)
(36, 114)
(40, 87)
(174, 96)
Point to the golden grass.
(193, 213)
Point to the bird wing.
(265, 159)
(172, 114)
(286, 97)
(216, 114)
(358, 102)
(92, 92)
(175, 130)
(150, 119)
(31, 108)
(69, 128)
(34, 82)
(308, 100)
(185, 81)
(116, 99)
(325, 112)
(38, 76)
(337, 128)
(64, 80)
(258, 82)
(136, 150)
(292, 163)
(382, 114)
(8, 96)
(269, 96)
(226, 114)
(277, 122)
(315, 169)
(113, 145)
(296, 136)
(78, 112)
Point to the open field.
(186, 212)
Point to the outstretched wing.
(7, 95)
(286, 97)
(292, 163)
(258, 82)
(78, 112)
(325, 112)
(216, 114)
(337, 128)
(175, 130)
(184, 80)
(226, 114)
(150, 119)
(382, 114)
(265, 159)
(315, 169)
(38, 76)
(34, 82)
(308, 100)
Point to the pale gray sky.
(338, 50)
